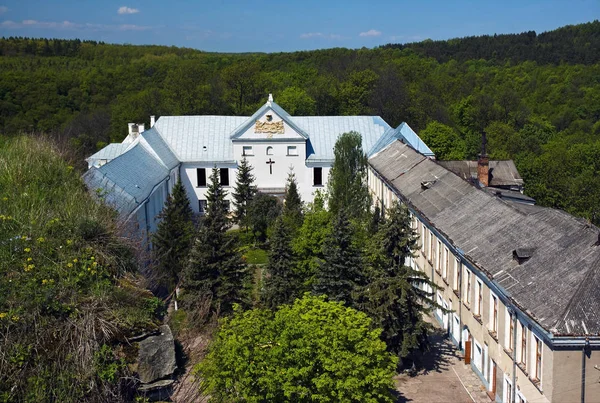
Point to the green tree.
(172, 241)
(343, 269)
(309, 240)
(396, 298)
(443, 141)
(243, 193)
(281, 285)
(215, 268)
(347, 184)
(262, 213)
(292, 205)
(310, 351)
(296, 102)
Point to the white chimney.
(130, 126)
(141, 127)
(152, 120)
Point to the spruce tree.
(347, 184)
(215, 267)
(292, 207)
(342, 271)
(243, 193)
(172, 241)
(282, 284)
(396, 298)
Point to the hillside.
(536, 96)
(68, 295)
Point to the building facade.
(521, 283)
(136, 175)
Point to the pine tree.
(396, 298)
(282, 284)
(172, 241)
(342, 272)
(243, 193)
(292, 208)
(215, 267)
(347, 184)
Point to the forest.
(536, 96)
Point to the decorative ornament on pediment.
(269, 127)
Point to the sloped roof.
(324, 131)
(109, 152)
(487, 229)
(405, 134)
(160, 148)
(502, 172)
(128, 179)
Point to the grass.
(253, 252)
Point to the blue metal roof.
(128, 179)
(405, 134)
(325, 130)
(160, 147)
(109, 152)
(263, 109)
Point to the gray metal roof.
(160, 148)
(127, 180)
(552, 285)
(502, 173)
(109, 152)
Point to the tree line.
(542, 113)
(334, 264)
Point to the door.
(468, 350)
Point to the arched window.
(269, 150)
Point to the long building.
(521, 282)
(136, 176)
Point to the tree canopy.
(313, 350)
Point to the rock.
(156, 385)
(156, 356)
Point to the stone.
(156, 356)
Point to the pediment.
(270, 122)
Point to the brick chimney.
(483, 170)
(483, 163)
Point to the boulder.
(156, 359)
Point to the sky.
(284, 25)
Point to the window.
(479, 297)
(292, 150)
(201, 175)
(431, 248)
(422, 236)
(269, 150)
(318, 176)
(247, 150)
(478, 356)
(224, 176)
(507, 391)
(520, 398)
(467, 286)
(523, 345)
(538, 358)
(440, 261)
(493, 313)
(511, 329)
(202, 206)
(227, 205)
(456, 275)
(445, 266)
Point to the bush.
(313, 350)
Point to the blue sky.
(271, 26)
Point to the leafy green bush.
(313, 350)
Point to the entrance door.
(468, 349)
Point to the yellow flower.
(30, 266)
(40, 239)
(75, 260)
(69, 264)
(29, 259)
(5, 198)
(44, 281)
(95, 264)
(92, 258)
(27, 250)
(3, 315)
(15, 318)
(69, 242)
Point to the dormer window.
(269, 118)
(247, 150)
(521, 255)
(269, 150)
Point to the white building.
(136, 175)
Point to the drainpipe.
(460, 281)
(513, 398)
(584, 351)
